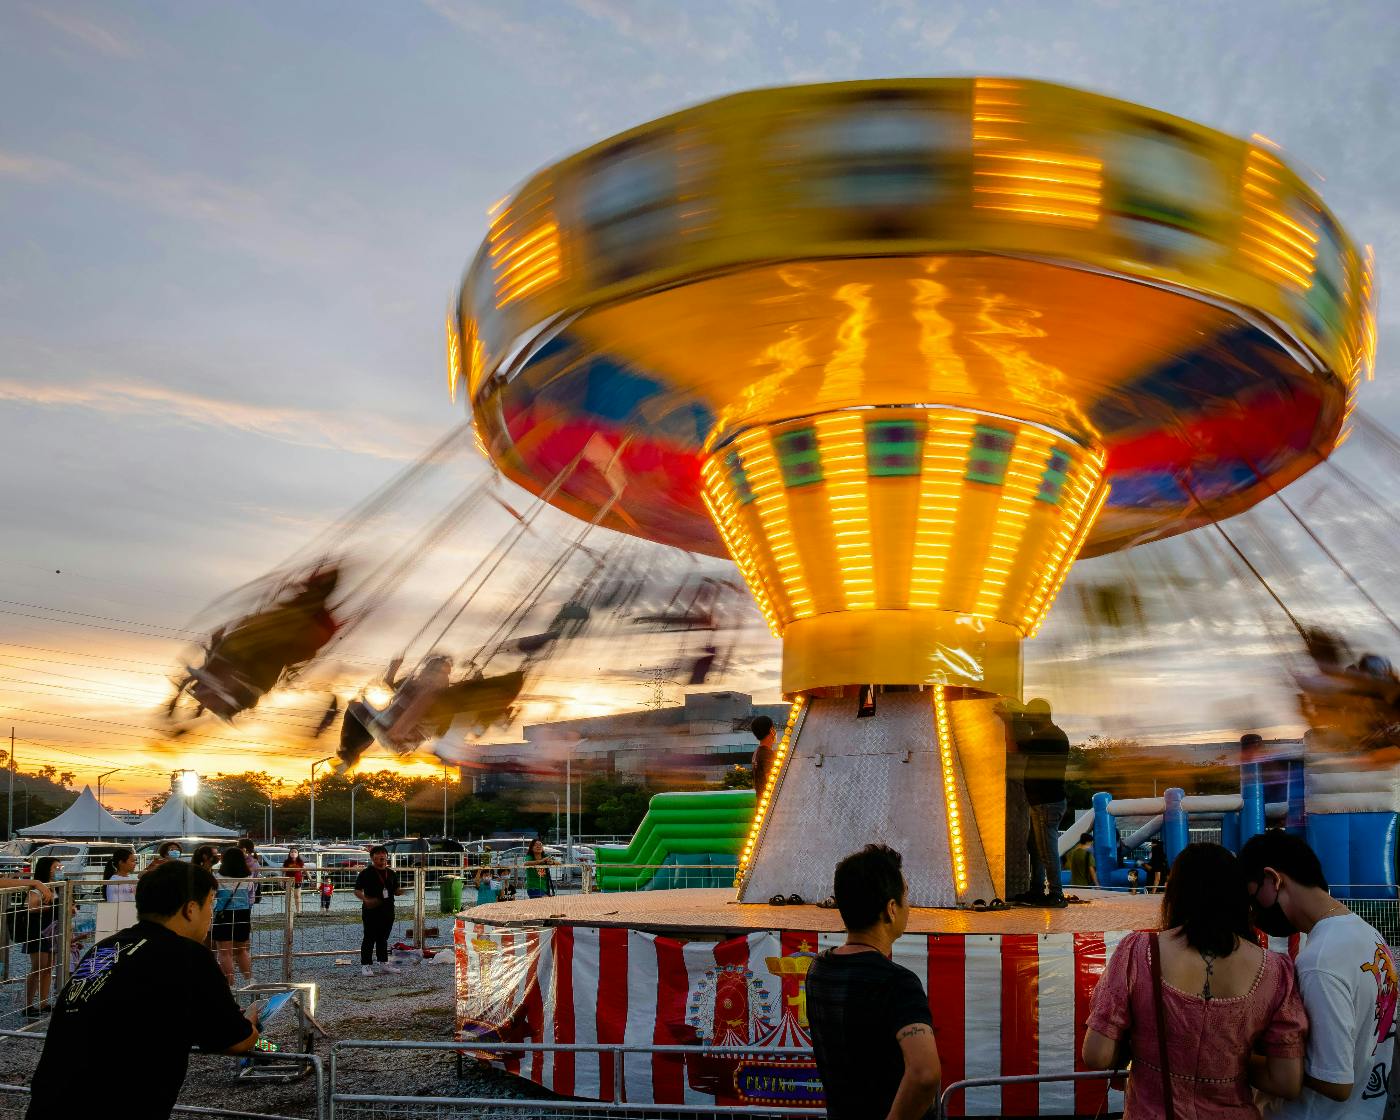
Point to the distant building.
(693, 744)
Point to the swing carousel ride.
(904, 351)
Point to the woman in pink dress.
(1234, 1018)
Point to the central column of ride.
(902, 554)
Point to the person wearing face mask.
(1345, 973)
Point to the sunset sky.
(229, 234)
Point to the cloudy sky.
(229, 232)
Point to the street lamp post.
(353, 790)
(405, 814)
(100, 779)
(557, 834)
(269, 820)
(444, 800)
(188, 783)
(311, 828)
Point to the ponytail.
(121, 855)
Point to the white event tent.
(176, 818)
(85, 819)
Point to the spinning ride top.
(905, 350)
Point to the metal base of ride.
(886, 778)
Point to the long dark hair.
(43, 868)
(234, 864)
(119, 855)
(1206, 897)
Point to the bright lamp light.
(189, 783)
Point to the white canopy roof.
(85, 819)
(176, 818)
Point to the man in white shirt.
(1346, 976)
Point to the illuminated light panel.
(1283, 247)
(770, 501)
(1078, 497)
(1050, 186)
(719, 499)
(475, 356)
(1368, 313)
(841, 440)
(947, 447)
(775, 772)
(480, 444)
(950, 790)
(1019, 491)
(1040, 184)
(524, 262)
(1073, 526)
(454, 357)
(1083, 535)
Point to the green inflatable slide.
(685, 840)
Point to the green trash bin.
(449, 894)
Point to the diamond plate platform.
(850, 781)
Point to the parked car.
(23, 845)
(341, 865)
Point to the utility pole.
(10, 801)
(353, 790)
(311, 829)
(444, 800)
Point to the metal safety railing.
(203, 1077)
(346, 1103)
(957, 1088)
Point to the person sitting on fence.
(152, 986)
(233, 915)
(1192, 1004)
(872, 1034)
(1346, 975)
(119, 873)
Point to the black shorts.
(233, 925)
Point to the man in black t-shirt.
(152, 989)
(376, 887)
(872, 1033)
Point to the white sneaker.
(389, 966)
(365, 970)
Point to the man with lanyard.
(376, 888)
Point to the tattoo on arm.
(911, 1030)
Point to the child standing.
(326, 890)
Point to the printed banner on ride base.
(1002, 1004)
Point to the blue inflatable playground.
(1348, 819)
